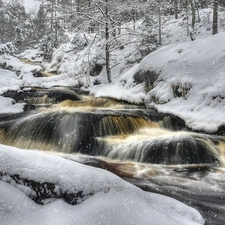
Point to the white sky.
(31, 4)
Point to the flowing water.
(153, 151)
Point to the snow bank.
(18, 75)
(15, 64)
(8, 81)
(191, 83)
(8, 105)
(126, 89)
(48, 82)
(114, 201)
(133, 94)
(33, 55)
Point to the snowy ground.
(112, 200)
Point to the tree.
(176, 9)
(160, 22)
(215, 17)
(40, 22)
(159, 7)
(107, 35)
(192, 3)
(19, 39)
(108, 15)
(103, 14)
(14, 24)
(2, 22)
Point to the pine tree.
(14, 25)
(40, 22)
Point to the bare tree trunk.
(134, 19)
(56, 23)
(119, 29)
(52, 11)
(197, 9)
(176, 9)
(186, 9)
(193, 14)
(215, 17)
(107, 47)
(77, 5)
(160, 24)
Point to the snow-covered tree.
(40, 22)
(47, 45)
(14, 23)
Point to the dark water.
(156, 152)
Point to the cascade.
(159, 146)
(66, 131)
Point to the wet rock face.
(42, 96)
(44, 192)
(145, 76)
(96, 69)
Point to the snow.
(114, 201)
(32, 54)
(8, 105)
(17, 65)
(8, 80)
(133, 94)
(48, 82)
(198, 69)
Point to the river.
(153, 151)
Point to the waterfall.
(159, 146)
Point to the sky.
(31, 4)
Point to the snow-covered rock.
(112, 200)
(191, 82)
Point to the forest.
(112, 24)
